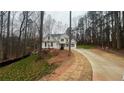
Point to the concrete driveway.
(106, 66)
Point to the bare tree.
(6, 49)
(12, 35)
(25, 33)
(49, 25)
(1, 26)
(21, 29)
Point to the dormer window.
(62, 39)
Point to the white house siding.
(55, 45)
(48, 45)
(43, 45)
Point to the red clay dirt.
(62, 60)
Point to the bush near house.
(26, 69)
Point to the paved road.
(106, 66)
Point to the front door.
(62, 46)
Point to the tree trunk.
(41, 33)
(118, 30)
(1, 43)
(19, 38)
(25, 37)
(70, 37)
(7, 44)
(12, 39)
(123, 30)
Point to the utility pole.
(41, 32)
(69, 34)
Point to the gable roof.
(55, 37)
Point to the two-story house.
(59, 41)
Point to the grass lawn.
(26, 69)
(86, 46)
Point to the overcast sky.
(63, 16)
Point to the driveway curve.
(106, 66)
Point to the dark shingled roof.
(56, 35)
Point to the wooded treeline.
(19, 32)
(102, 28)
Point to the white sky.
(63, 16)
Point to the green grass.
(26, 69)
(86, 46)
